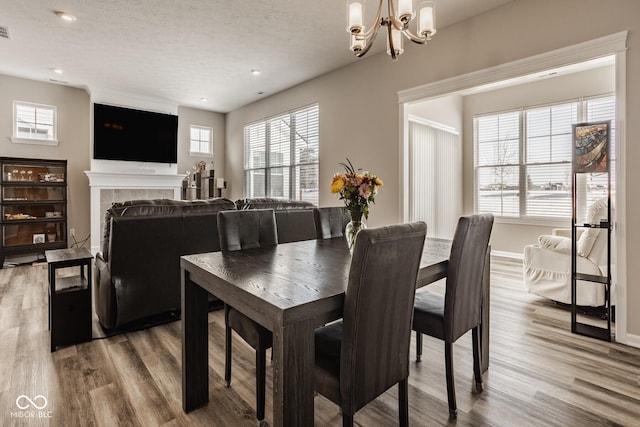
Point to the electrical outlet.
(72, 232)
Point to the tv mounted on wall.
(134, 135)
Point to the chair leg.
(403, 402)
(261, 364)
(477, 372)
(347, 420)
(227, 348)
(451, 388)
(418, 346)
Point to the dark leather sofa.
(138, 271)
(294, 218)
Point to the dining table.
(290, 289)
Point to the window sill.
(52, 142)
(199, 154)
(538, 222)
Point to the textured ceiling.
(181, 51)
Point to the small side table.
(69, 297)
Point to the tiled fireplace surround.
(111, 187)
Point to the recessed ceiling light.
(203, 99)
(255, 72)
(57, 70)
(66, 17)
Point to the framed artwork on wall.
(591, 143)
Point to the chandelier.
(397, 23)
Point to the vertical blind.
(523, 158)
(281, 156)
(435, 178)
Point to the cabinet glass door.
(30, 194)
(25, 233)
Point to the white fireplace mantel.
(111, 180)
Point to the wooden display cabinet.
(33, 201)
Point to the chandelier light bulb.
(355, 17)
(426, 24)
(405, 10)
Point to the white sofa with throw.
(547, 265)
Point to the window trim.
(522, 141)
(201, 153)
(15, 139)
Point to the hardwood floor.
(540, 373)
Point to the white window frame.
(271, 164)
(51, 140)
(522, 164)
(200, 152)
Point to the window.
(281, 156)
(523, 158)
(201, 141)
(34, 124)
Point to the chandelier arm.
(374, 28)
(368, 42)
(415, 38)
(397, 24)
(392, 48)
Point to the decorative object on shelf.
(38, 238)
(357, 189)
(221, 184)
(397, 23)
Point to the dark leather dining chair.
(240, 230)
(330, 222)
(366, 353)
(448, 317)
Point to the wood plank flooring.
(540, 373)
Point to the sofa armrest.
(566, 232)
(105, 293)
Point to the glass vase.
(353, 228)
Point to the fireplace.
(111, 187)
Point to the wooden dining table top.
(289, 280)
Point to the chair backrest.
(378, 311)
(463, 298)
(246, 229)
(330, 222)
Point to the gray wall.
(73, 136)
(359, 112)
(192, 116)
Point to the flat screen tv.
(134, 135)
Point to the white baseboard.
(632, 340)
(505, 254)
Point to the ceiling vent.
(4, 32)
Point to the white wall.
(359, 114)
(447, 110)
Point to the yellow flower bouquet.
(357, 189)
